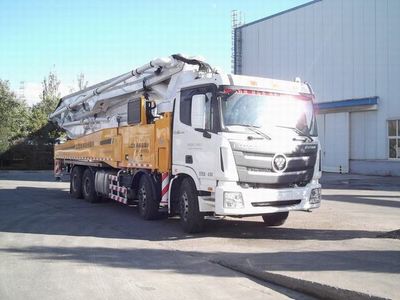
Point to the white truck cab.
(249, 144)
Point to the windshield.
(267, 111)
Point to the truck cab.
(249, 146)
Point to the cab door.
(196, 144)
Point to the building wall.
(346, 49)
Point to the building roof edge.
(279, 13)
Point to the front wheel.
(275, 219)
(192, 220)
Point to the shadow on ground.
(43, 176)
(53, 211)
(377, 200)
(171, 260)
(373, 184)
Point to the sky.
(103, 39)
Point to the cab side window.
(209, 112)
(186, 106)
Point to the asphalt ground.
(54, 246)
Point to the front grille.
(253, 185)
(275, 203)
(254, 165)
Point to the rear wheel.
(75, 187)
(149, 200)
(88, 190)
(192, 220)
(275, 219)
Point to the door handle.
(188, 159)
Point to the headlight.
(315, 196)
(233, 200)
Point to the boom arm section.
(104, 105)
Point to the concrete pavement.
(55, 243)
(52, 246)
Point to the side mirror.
(198, 113)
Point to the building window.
(394, 138)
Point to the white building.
(349, 50)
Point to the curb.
(315, 289)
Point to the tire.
(88, 190)
(75, 187)
(149, 200)
(192, 220)
(275, 219)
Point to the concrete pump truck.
(178, 136)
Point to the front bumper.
(258, 201)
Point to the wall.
(346, 49)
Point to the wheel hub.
(74, 185)
(184, 206)
(86, 186)
(142, 197)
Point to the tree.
(49, 100)
(82, 83)
(43, 131)
(14, 117)
(26, 135)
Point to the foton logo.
(279, 163)
(313, 147)
(240, 146)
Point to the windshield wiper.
(259, 132)
(254, 129)
(298, 131)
